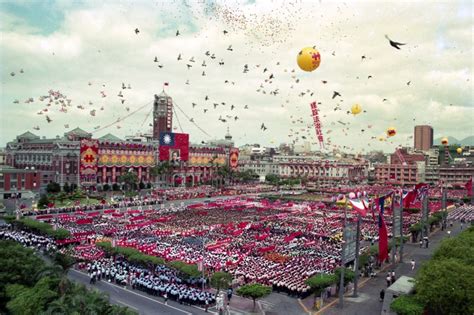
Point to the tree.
(254, 291)
(220, 280)
(30, 301)
(53, 187)
(319, 282)
(115, 187)
(461, 247)
(18, 265)
(446, 286)
(162, 169)
(67, 188)
(130, 179)
(106, 187)
(407, 305)
(43, 201)
(348, 276)
(272, 179)
(141, 185)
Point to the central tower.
(162, 114)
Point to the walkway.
(367, 302)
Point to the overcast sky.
(84, 48)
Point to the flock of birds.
(301, 131)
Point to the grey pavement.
(367, 302)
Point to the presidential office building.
(79, 159)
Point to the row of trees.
(276, 180)
(37, 227)
(445, 284)
(29, 286)
(219, 280)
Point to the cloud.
(96, 43)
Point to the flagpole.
(394, 218)
(343, 258)
(356, 263)
(401, 226)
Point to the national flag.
(383, 234)
(468, 186)
(167, 139)
(170, 141)
(360, 205)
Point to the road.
(138, 301)
(367, 302)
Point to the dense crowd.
(162, 281)
(275, 243)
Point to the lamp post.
(343, 258)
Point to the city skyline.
(89, 61)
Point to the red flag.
(383, 234)
(468, 186)
(174, 146)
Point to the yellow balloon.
(444, 141)
(381, 139)
(308, 59)
(356, 109)
(391, 131)
(459, 150)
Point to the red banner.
(179, 149)
(89, 151)
(317, 123)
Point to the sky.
(86, 50)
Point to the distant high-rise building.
(423, 137)
(162, 114)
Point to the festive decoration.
(174, 146)
(459, 150)
(127, 158)
(391, 131)
(234, 158)
(308, 59)
(317, 123)
(444, 141)
(356, 109)
(89, 150)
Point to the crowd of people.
(162, 281)
(156, 197)
(275, 243)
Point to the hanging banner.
(88, 165)
(317, 123)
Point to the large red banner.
(89, 158)
(177, 149)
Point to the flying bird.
(177, 33)
(263, 127)
(230, 48)
(137, 31)
(335, 93)
(394, 44)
